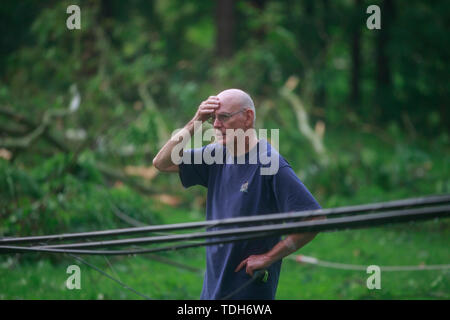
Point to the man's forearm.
(292, 243)
(289, 245)
(163, 159)
(282, 249)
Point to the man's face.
(229, 116)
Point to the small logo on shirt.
(244, 187)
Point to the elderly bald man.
(236, 189)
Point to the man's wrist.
(291, 244)
(284, 248)
(193, 125)
(274, 255)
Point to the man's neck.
(250, 142)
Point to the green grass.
(403, 244)
(421, 171)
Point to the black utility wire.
(305, 226)
(131, 251)
(249, 233)
(110, 277)
(257, 276)
(278, 217)
(367, 220)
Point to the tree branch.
(302, 120)
(37, 130)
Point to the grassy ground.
(405, 244)
(44, 276)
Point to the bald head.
(238, 98)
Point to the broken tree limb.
(42, 130)
(316, 138)
(118, 175)
(149, 103)
(25, 141)
(36, 130)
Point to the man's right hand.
(163, 161)
(206, 109)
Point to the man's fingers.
(209, 108)
(210, 105)
(239, 267)
(212, 101)
(249, 270)
(206, 111)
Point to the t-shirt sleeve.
(290, 193)
(193, 173)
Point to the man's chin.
(221, 140)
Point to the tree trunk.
(321, 96)
(225, 28)
(355, 93)
(383, 67)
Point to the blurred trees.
(389, 71)
(224, 17)
(140, 68)
(355, 88)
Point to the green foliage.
(141, 68)
(412, 244)
(50, 200)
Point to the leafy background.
(83, 113)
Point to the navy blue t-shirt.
(236, 190)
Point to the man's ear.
(250, 115)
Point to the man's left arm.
(282, 249)
(290, 195)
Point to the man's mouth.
(220, 134)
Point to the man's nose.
(217, 124)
